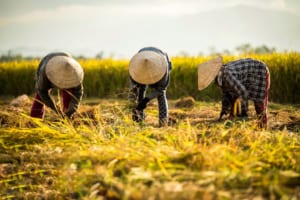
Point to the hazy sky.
(123, 27)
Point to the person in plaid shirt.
(247, 79)
(149, 68)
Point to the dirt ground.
(15, 113)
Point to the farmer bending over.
(150, 67)
(247, 79)
(58, 70)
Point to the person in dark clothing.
(246, 79)
(58, 70)
(149, 68)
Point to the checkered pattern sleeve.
(163, 108)
(136, 92)
(235, 84)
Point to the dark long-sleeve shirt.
(43, 85)
(158, 90)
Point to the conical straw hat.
(208, 71)
(147, 67)
(64, 72)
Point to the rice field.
(103, 154)
(108, 78)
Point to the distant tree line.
(247, 48)
(241, 49)
(10, 56)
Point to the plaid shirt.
(245, 78)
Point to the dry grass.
(102, 154)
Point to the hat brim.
(64, 72)
(148, 67)
(208, 71)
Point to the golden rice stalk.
(237, 107)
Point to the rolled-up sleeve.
(43, 86)
(76, 94)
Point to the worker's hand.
(70, 116)
(221, 115)
(137, 116)
(58, 111)
(142, 104)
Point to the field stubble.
(102, 154)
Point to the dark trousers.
(261, 107)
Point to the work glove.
(69, 115)
(142, 104)
(221, 115)
(226, 107)
(137, 115)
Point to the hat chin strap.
(219, 78)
